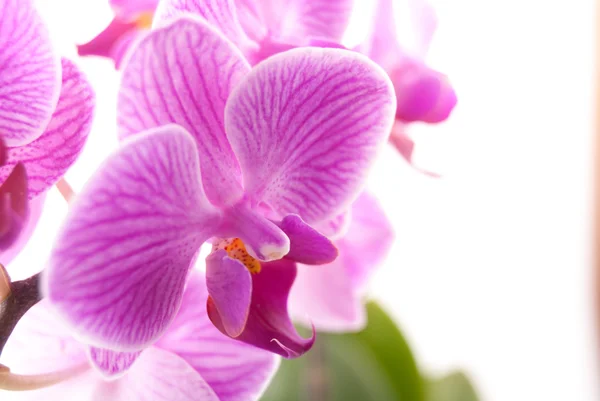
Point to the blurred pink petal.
(130, 9)
(36, 207)
(330, 296)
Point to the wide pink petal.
(236, 371)
(269, 326)
(29, 73)
(220, 14)
(118, 269)
(49, 157)
(230, 286)
(306, 126)
(330, 296)
(183, 73)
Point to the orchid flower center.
(236, 249)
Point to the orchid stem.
(23, 295)
(15, 382)
(65, 190)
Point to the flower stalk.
(15, 299)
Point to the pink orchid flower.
(422, 94)
(46, 109)
(192, 361)
(259, 156)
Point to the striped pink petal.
(118, 269)
(235, 371)
(306, 126)
(183, 73)
(49, 157)
(220, 14)
(29, 73)
(112, 364)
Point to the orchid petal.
(307, 245)
(230, 286)
(236, 371)
(113, 42)
(183, 73)
(385, 46)
(269, 326)
(14, 208)
(422, 93)
(41, 344)
(29, 73)
(36, 207)
(337, 226)
(299, 19)
(405, 145)
(220, 14)
(118, 269)
(306, 126)
(330, 297)
(159, 375)
(49, 157)
(250, 16)
(112, 364)
(130, 9)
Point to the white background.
(492, 269)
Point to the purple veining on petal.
(49, 157)
(230, 286)
(330, 109)
(220, 14)
(112, 364)
(269, 326)
(29, 73)
(118, 269)
(307, 245)
(183, 73)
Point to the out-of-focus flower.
(191, 361)
(132, 19)
(422, 94)
(331, 296)
(261, 28)
(257, 158)
(44, 120)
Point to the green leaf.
(375, 364)
(452, 387)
